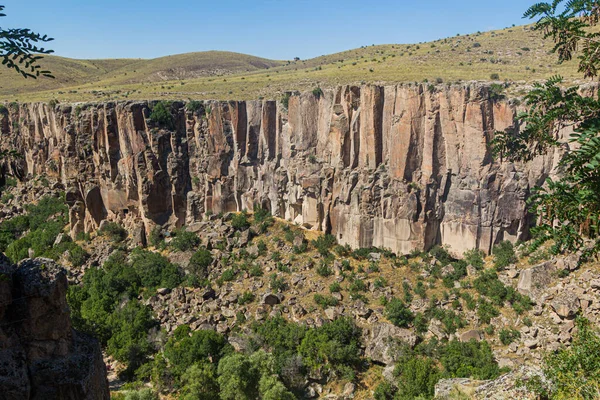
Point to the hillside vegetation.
(515, 54)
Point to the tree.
(568, 209)
(19, 51)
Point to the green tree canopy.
(569, 207)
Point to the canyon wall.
(402, 167)
(41, 356)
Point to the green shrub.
(324, 270)
(324, 243)
(474, 257)
(335, 287)
(245, 298)
(504, 255)
(507, 336)
(194, 106)
(155, 270)
(572, 372)
(113, 231)
(486, 311)
(416, 378)
(441, 254)
(325, 301)
(186, 348)
(277, 284)
(228, 275)
(184, 240)
(240, 221)
(335, 346)
(200, 263)
(398, 313)
(161, 115)
(77, 256)
(469, 360)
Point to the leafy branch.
(19, 50)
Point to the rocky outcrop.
(402, 167)
(41, 356)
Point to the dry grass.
(514, 54)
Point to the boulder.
(566, 304)
(379, 344)
(472, 334)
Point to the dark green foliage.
(194, 106)
(154, 270)
(398, 313)
(199, 382)
(186, 348)
(451, 320)
(245, 298)
(494, 77)
(335, 346)
(325, 301)
(486, 311)
(128, 342)
(45, 221)
(156, 237)
(488, 284)
(324, 243)
(324, 270)
(441, 254)
(113, 231)
(475, 258)
(573, 372)
(317, 92)
(285, 100)
(161, 115)
(262, 218)
(277, 284)
(416, 378)
(280, 337)
(200, 263)
(507, 336)
(568, 208)
(184, 240)
(240, 221)
(504, 255)
(77, 256)
(469, 360)
(335, 287)
(20, 51)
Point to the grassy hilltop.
(516, 54)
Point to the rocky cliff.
(41, 356)
(402, 167)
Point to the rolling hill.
(513, 54)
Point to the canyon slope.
(402, 167)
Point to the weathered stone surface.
(566, 304)
(473, 334)
(399, 167)
(41, 356)
(534, 280)
(382, 339)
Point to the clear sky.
(278, 29)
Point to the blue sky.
(278, 29)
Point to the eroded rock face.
(400, 167)
(41, 356)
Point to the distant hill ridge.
(515, 54)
